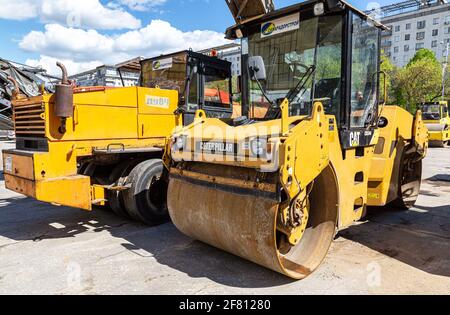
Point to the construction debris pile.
(30, 82)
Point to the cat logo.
(355, 139)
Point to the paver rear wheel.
(119, 177)
(146, 199)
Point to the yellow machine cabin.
(99, 146)
(437, 120)
(315, 148)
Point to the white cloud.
(84, 46)
(88, 14)
(141, 5)
(49, 63)
(18, 10)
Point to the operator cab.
(434, 111)
(202, 82)
(323, 51)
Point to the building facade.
(128, 73)
(425, 24)
(231, 53)
(124, 74)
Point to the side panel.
(157, 102)
(74, 191)
(156, 109)
(19, 165)
(385, 166)
(22, 186)
(352, 173)
(92, 122)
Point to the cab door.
(358, 131)
(209, 88)
(361, 110)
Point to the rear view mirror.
(257, 68)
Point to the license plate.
(217, 147)
(8, 164)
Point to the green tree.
(387, 67)
(419, 82)
(422, 54)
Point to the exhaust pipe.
(16, 91)
(63, 99)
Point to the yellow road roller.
(88, 147)
(314, 149)
(437, 120)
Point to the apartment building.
(231, 53)
(415, 25)
(123, 74)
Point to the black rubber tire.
(409, 187)
(119, 176)
(146, 200)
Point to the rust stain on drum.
(243, 225)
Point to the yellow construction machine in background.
(437, 120)
(316, 146)
(99, 146)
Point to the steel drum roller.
(245, 224)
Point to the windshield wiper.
(292, 95)
(274, 111)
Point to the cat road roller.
(437, 120)
(314, 149)
(90, 147)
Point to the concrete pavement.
(55, 250)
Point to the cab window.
(364, 80)
(193, 92)
(217, 90)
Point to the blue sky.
(112, 30)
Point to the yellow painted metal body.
(105, 119)
(439, 130)
(385, 165)
(305, 151)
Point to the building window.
(421, 25)
(406, 48)
(435, 21)
(396, 49)
(420, 36)
(435, 32)
(447, 19)
(397, 28)
(396, 39)
(447, 30)
(395, 59)
(407, 37)
(434, 44)
(420, 46)
(408, 26)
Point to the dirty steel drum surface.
(245, 225)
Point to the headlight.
(258, 147)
